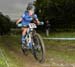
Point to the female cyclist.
(25, 19)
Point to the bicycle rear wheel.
(38, 48)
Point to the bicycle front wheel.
(38, 48)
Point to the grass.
(11, 45)
(61, 49)
(56, 51)
(2, 62)
(60, 34)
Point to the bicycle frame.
(29, 35)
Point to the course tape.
(59, 38)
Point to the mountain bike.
(34, 43)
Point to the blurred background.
(59, 22)
(60, 14)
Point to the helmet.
(30, 6)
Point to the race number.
(32, 25)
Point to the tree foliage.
(61, 13)
(5, 24)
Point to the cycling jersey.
(26, 19)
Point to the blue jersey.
(26, 19)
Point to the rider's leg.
(24, 30)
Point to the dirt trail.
(16, 58)
(26, 61)
(29, 61)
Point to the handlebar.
(20, 24)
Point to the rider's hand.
(37, 22)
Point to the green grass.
(10, 45)
(60, 51)
(60, 34)
(2, 62)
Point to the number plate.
(32, 25)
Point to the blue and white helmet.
(31, 6)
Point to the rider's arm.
(19, 20)
(36, 18)
(38, 22)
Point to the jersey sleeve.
(23, 15)
(35, 16)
